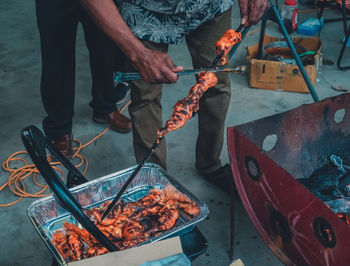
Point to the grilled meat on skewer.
(224, 45)
(184, 109)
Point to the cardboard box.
(237, 262)
(135, 256)
(274, 75)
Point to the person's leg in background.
(214, 104)
(102, 64)
(122, 89)
(146, 114)
(57, 22)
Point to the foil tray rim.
(187, 226)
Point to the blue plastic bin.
(310, 26)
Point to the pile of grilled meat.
(128, 224)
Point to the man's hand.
(156, 67)
(252, 11)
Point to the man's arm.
(154, 66)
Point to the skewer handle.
(120, 77)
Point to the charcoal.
(325, 178)
(328, 194)
(344, 184)
(331, 184)
(339, 205)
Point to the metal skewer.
(120, 77)
(235, 47)
(127, 183)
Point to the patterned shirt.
(169, 21)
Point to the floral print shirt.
(169, 21)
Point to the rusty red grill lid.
(269, 155)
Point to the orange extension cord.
(17, 175)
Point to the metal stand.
(273, 14)
(344, 19)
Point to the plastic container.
(289, 15)
(310, 26)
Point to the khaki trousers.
(146, 109)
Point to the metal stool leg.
(261, 38)
(347, 33)
(342, 52)
(295, 55)
(345, 24)
(319, 12)
(232, 218)
(274, 15)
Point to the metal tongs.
(36, 144)
(120, 76)
(158, 140)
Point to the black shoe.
(222, 178)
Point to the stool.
(345, 5)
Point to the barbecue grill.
(48, 214)
(268, 158)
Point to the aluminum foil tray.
(47, 215)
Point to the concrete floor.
(20, 106)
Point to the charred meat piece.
(224, 45)
(60, 240)
(184, 109)
(83, 233)
(75, 244)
